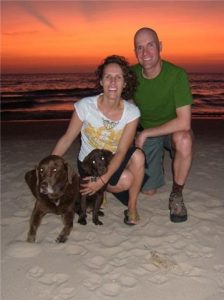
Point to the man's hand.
(140, 139)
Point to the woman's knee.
(138, 158)
(124, 182)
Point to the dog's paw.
(61, 239)
(31, 239)
(97, 222)
(100, 213)
(82, 221)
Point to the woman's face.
(113, 81)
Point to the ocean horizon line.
(92, 72)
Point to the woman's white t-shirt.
(97, 130)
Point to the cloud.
(33, 11)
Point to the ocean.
(51, 96)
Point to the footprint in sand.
(187, 270)
(219, 268)
(138, 252)
(64, 294)
(117, 262)
(158, 279)
(139, 271)
(98, 264)
(75, 250)
(23, 250)
(91, 236)
(112, 240)
(194, 252)
(221, 284)
(35, 272)
(95, 262)
(128, 281)
(54, 278)
(93, 282)
(111, 289)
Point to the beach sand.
(156, 260)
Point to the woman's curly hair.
(129, 76)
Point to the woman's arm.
(70, 135)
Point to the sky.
(73, 36)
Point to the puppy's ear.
(86, 167)
(108, 154)
(86, 164)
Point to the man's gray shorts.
(154, 152)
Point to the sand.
(155, 260)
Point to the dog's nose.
(43, 185)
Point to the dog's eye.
(102, 158)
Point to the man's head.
(147, 48)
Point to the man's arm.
(182, 122)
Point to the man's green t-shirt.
(158, 98)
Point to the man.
(164, 99)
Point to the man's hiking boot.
(178, 211)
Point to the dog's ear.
(31, 180)
(70, 172)
(108, 154)
(37, 175)
(30, 177)
(86, 165)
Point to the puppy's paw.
(97, 222)
(61, 239)
(82, 221)
(100, 213)
(31, 239)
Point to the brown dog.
(56, 189)
(95, 164)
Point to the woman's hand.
(91, 185)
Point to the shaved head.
(144, 30)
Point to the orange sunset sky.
(71, 36)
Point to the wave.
(49, 92)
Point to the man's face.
(147, 49)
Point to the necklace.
(109, 124)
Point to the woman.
(109, 122)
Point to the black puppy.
(56, 189)
(95, 164)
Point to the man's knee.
(183, 141)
